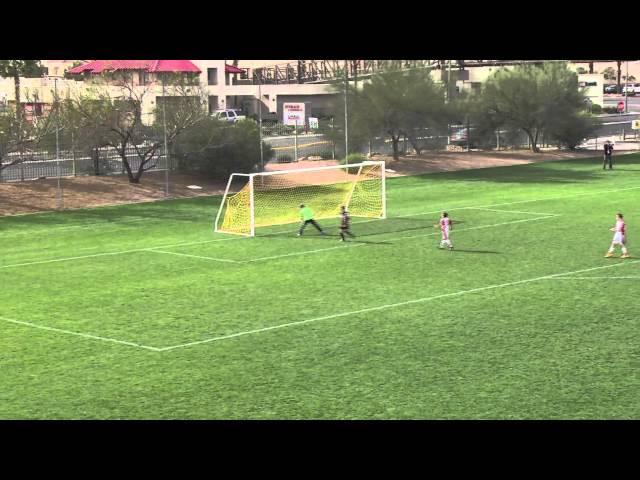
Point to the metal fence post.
(295, 145)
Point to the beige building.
(226, 86)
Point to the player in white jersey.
(619, 237)
(445, 225)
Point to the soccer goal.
(273, 198)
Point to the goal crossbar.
(272, 198)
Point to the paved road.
(612, 101)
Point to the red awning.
(99, 66)
(232, 69)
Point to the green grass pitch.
(141, 311)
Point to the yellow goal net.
(272, 198)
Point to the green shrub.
(353, 158)
(596, 109)
(326, 155)
(610, 110)
(215, 150)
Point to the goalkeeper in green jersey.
(306, 215)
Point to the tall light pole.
(166, 150)
(626, 91)
(260, 123)
(346, 114)
(57, 103)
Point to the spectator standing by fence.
(608, 155)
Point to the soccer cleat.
(608, 255)
(625, 255)
(450, 247)
(299, 235)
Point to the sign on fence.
(293, 114)
(635, 124)
(313, 123)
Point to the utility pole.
(346, 115)
(60, 196)
(260, 123)
(166, 150)
(626, 91)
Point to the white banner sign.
(293, 113)
(313, 123)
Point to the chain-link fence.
(71, 163)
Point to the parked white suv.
(631, 89)
(228, 115)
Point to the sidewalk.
(619, 144)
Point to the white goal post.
(273, 198)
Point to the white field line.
(395, 238)
(597, 278)
(52, 229)
(454, 231)
(78, 334)
(306, 252)
(519, 201)
(288, 231)
(517, 211)
(156, 249)
(193, 256)
(63, 259)
(390, 305)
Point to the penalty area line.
(389, 306)
(78, 334)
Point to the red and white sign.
(293, 114)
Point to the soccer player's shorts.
(445, 234)
(618, 238)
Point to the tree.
(19, 137)
(531, 98)
(216, 149)
(619, 71)
(16, 69)
(105, 119)
(572, 130)
(394, 104)
(609, 73)
(581, 70)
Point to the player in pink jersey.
(445, 227)
(619, 237)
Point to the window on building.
(212, 76)
(143, 78)
(213, 103)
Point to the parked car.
(229, 115)
(631, 89)
(611, 88)
(459, 135)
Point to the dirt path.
(82, 192)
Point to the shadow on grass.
(368, 242)
(456, 250)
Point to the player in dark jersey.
(345, 224)
(608, 154)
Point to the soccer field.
(141, 311)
